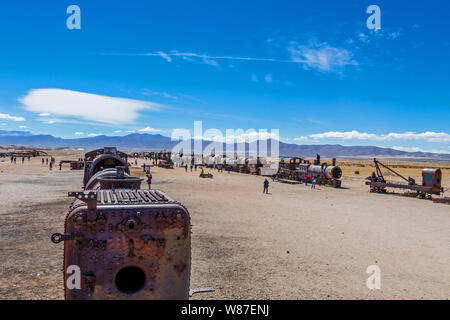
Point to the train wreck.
(127, 243)
(431, 182)
(298, 169)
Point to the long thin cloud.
(322, 57)
(167, 56)
(5, 116)
(429, 136)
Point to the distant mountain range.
(157, 142)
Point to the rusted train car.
(123, 242)
(298, 169)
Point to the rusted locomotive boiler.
(124, 242)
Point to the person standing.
(306, 180)
(266, 186)
(149, 180)
(51, 166)
(313, 184)
(60, 166)
(42, 160)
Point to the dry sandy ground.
(294, 243)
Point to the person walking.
(149, 180)
(313, 184)
(46, 161)
(306, 180)
(51, 166)
(185, 168)
(60, 166)
(42, 160)
(266, 186)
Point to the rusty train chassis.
(378, 184)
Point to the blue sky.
(313, 70)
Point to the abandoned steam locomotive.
(123, 242)
(298, 169)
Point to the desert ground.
(293, 243)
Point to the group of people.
(219, 167)
(313, 181)
(14, 159)
(52, 161)
(307, 179)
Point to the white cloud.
(319, 56)
(301, 138)
(44, 114)
(23, 127)
(322, 57)
(203, 57)
(79, 133)
(417, 149)
(118, 131)
(5, 116)
(347, 135)
(428, 136)
(211, 62)
(149, 129)
(164, 56)
(363, 37)
(85, 106)
(94, 134)
(393, 35)
(148, 92)
(268, 78)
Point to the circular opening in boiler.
(130, 280)
(337, 173)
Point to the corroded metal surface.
(431, 181)
(128, 243)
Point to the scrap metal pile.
(162, 159)
(125, 243)
(74, 164)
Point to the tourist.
(266, 186)
(149, 180)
